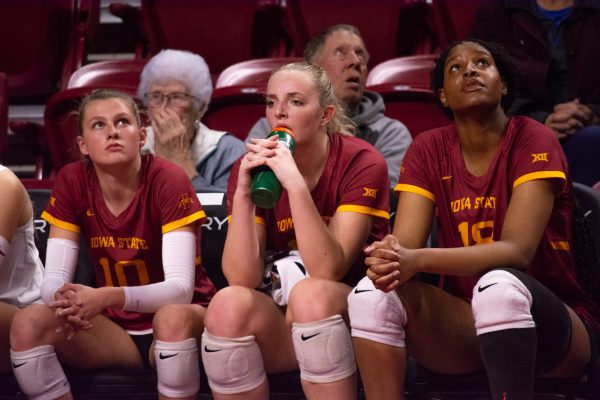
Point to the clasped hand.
(74, 306)
(388, 264)
(567, 118)
(275, 155)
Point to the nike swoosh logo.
(206, 349)
(357, 291)
(304, 338)
(18, 365)
(300, 267)
(89, 213)
(482, 288)
(165, 356)
(445, 178)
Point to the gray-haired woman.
(176, 87)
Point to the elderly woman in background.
(176, 87)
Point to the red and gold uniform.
(354, 180)
(471, 209)
(126, 250)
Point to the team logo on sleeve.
(52, 201)
(539, 157)
(368, 192)
(185, 201)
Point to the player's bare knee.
(175, 322)
(31, 327)
(501, 301)
(229, 310)
(324, 301)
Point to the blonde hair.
(340, 122)
(104, 94)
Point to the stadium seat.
(390, 28)
(254, 73)
(117, 74)
(414, 107)
(60, 122)
(235, 109)
(222, 33)
(412, 71)
(42, 42)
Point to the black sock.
(509, 359)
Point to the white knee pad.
(324, 350)
(39, 373)
(177, 367)
(232, 365)
(501, 301)
(375, 315)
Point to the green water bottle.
(265, 190)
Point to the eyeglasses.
(176, 99)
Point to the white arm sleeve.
(178, 259)
(61, 261)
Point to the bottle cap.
(284, 129)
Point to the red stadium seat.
(224, 33)
(412, 71)
(60, 121)
(415, 108)
(117, 74)
(235, 109)
(254, 73)
(42, 42)
(381, 24)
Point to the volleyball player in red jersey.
(509, 301)
(140, 218)
(335, 199)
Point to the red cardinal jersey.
(126, 250)
(354, 179)
(471, 209)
